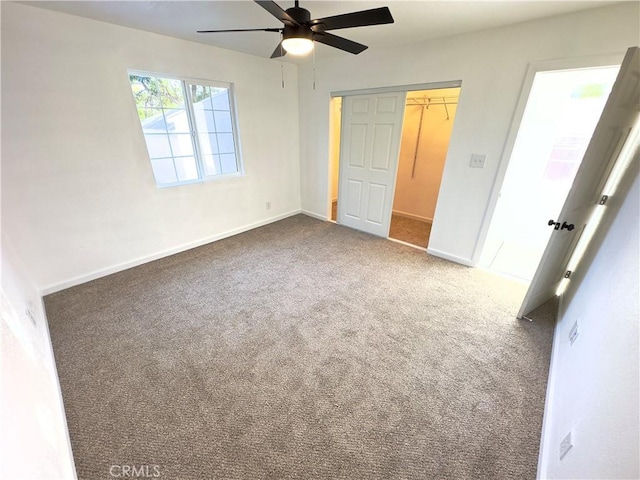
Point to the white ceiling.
(414, 20)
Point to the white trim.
(549, 398)
(398, 88)
(314, 215)
(56, 287)
(57, 386)
(412, 216)
(201, 81)
(451, 258)
(590, 61)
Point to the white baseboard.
(56, 381)
(314, 215)
(56, 287)
(452, 258)
(412, 216)
(545, 450)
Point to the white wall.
(492, 65)
(594, 384)
(34, 443)
(79, 199)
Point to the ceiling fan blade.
(339, 42)
(242, 30)
(277, 12)
(376, 16)
(279, 51)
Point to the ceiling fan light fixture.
(300, 32)
(297, 46)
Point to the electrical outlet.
(268, 205)
(29, 314)
(565, 445)
(573, 333)
(477, 160)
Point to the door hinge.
(603, 199)
(568, 274)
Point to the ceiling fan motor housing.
(299, 14)
(302, 16)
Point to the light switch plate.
(477, 160)
(573, 333)
(565, 445)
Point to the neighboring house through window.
(189, 127)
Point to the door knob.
(568, 226)
(556, 225)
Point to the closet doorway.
(427, 123)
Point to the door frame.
(373, 91)
(591, 61)
(600, 170)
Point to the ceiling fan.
(299, 31)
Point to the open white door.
(369, 148)
(612, 131)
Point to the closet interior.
(428, 122)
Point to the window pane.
(225, 143)
(204, 121)
(212, 165)
(223, 121)
(163, 170)
(181, 145)
(186, 168)
(170, 93)
(228, 162)
(145, 91)
(201, 97)
(208, 143)
(158, 146)
(152, 120)
(169, 123)
(220, 99)
(177, 120)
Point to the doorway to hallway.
(561, 113)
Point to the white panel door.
(616, 122)
(369, 149)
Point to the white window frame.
(197, 152)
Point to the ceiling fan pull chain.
(314, 68)
(281, 63)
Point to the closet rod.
(426, 104)
(428, 99)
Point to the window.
(189, 128)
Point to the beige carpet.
(409, 230)
(406, 229)
(302, 350)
